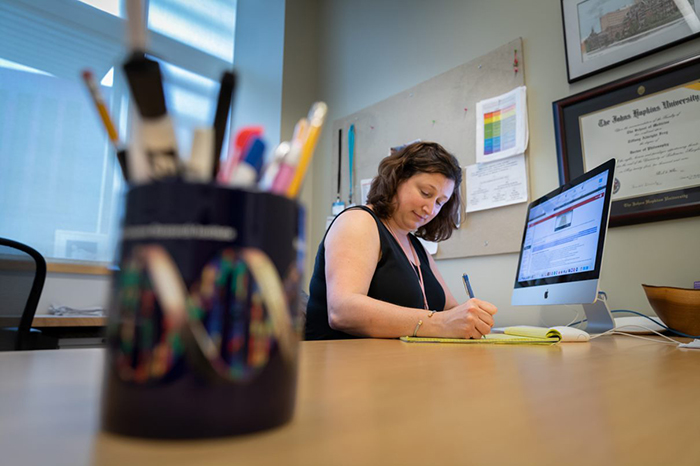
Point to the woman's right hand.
(472, 319)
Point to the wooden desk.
(73, 332)
(45, 321)
(614, 401)
(51, 321)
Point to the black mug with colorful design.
(203, 325)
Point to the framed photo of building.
(601, 34)
(649, 123)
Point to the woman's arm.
(352, 252)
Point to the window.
(205, 24)
(60, 185)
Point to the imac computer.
(562, 249)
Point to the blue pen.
(467, 285)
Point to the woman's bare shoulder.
(354, 224)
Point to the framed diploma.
(650, 123)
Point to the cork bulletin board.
(441, 109)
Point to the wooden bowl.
(678, 308)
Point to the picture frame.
(602, 34)
(649, 123)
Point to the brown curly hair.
(419, 157)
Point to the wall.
(300, 87)
(370, 50)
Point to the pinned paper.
(501, 126)
(496, 184)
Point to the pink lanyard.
(415, 257)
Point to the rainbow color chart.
(499, 130)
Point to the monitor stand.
(599, 317)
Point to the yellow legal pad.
(513, 336)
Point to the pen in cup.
(146, 84)
(316, 118)
(236, 152)
(288, 165)
(158, 134)
(467, 285)
(248, 171)
(272, 168)
(223, 107)
(199, 166)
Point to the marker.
(467, 285)
(317, 116)
(146, 85)
(106, 120)
(300, 130)
(236, 151)
(248, 171)
(159, 142)
(136, 25)
(223, 106)
(139, 171)
(273, 167)
(285, 174)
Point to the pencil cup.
(203, 327)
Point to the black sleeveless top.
(395, 281)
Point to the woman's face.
(420, 198)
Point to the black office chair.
(22, 276)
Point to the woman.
(373, 278)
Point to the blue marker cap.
(254, 157)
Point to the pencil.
(106, 120)
(316, 119)
(101, 107)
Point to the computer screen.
(563, 240)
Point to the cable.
(577, 322)
(573, 322)
(646, 317)
(575, 310)
(657, 323)
(616, 331)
